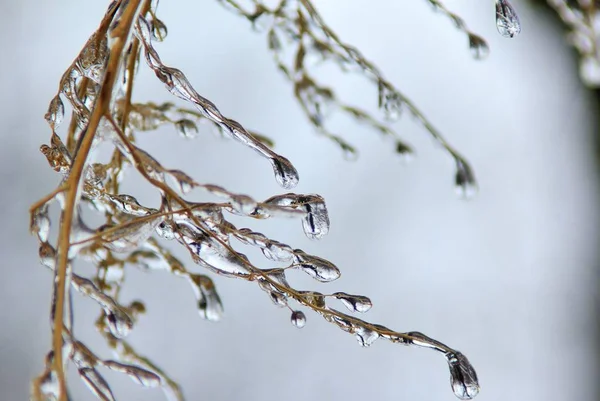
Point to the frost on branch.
(98, 87)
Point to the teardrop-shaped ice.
(187, 128)
(119, 323)
(463, 377)
(479, 47)
(355, 303)
(507, 20)
(285, 173)
(318, 268)
(56, 112)
(466, 184)
(209, 302)
(365, 336)
(159, 30)
(298, 319)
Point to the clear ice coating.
(365, 336)
(507, 20)
(463, 377)
(201, 227)
(298, 319)
(178, 84)
(118, 321)
(137, 374)
(96, 383)
(316, 221)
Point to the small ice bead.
(507, 20)
(298, 319)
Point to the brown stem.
(120, 35)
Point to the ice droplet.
(355, 303)
(285, 173)
(463, 377)
(318, 268)
(365, 336)
(466, 184)
(187, 128)
(316, 221)
(507, 20)
(390, 101)
(209, 302)
(56, 112)
(159, 30)
(589, 70)
(298, 319)
(479, 47)
(119, 323)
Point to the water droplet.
(119, 323)
(405, 151)
(365, 336)
(159, 30)
(56, 112)
(40, 222)
(137, 374)
(187, 128)
(285, 173)
(318, 268)
(466, 184)
(589, 70)
(298, 319)
(479, 47)
(507, 20)
(349, 152)
(209, 302)
(355, 303)
(463, 377)
(390, 101)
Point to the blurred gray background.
(510, 277)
